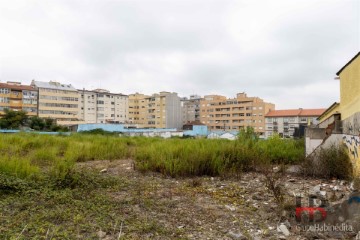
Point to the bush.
(331, 162)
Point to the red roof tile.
(312, 112)
(295, 112)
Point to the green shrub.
(331, 162)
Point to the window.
(4, 100)
(4, 90)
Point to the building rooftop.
(53, 85)
(296, 112)
(99, 90)
(347, 64)
(17, 86)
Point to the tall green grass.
(33, 156)
(194, 157)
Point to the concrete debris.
(217, 208)
(237, 235)
(231, 208)
(283, 229)
(101, 234)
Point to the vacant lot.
(75, 187)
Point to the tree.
(13, 119)
(36, 123)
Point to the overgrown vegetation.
(330, 162)
(31, 155)
(20, 119)
(38, 172)
(194, 157)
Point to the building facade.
(17, 97)
(163, 110)
(286, 122)
(339, 124)
(101, 106)
(137, 110)
(190, 109)
(58, 101)
(219, 112)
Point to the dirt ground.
(214, 208)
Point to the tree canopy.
(18, 119)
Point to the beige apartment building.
(101, 106)
(229, 114)
(164, 110)
(58, 101)
(160, 110)
(17, 97)
(137, 110)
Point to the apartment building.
(163, 110)
(137, 110)
(219, 112)
(18, 97)
(190, 109)
(286, 122)
(58, 101)
(101, 106)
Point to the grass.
(196, 157)
(35, 156)
(43, 193)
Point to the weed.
(331, 162)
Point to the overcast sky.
(286, 52)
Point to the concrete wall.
(166, 134)
(352, 144)
(351, 125)
(313, 138)
(121, 128)
(198, 130)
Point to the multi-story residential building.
(101, 106)
(137, 110)
(163, 110)
(18, 97)
(58, 101)
(218, 112)
(285, 122)
(190, 109)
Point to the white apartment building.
(101, 106)
(190, 109)
(284, 122)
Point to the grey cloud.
(276, 51)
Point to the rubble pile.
(241, 208)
